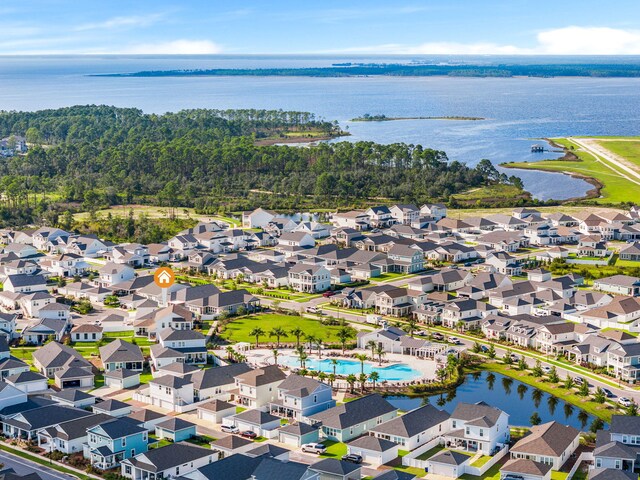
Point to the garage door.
(289, 439)
(372, 458)
(446, 470)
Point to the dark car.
(249, 434)
(437, 336)
(352, 457)
(608, 393)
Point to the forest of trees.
(95, 156)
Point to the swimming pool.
(398, 372)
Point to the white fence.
(584, 457)
(411, 459)
(479, 471)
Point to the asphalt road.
(22, 466)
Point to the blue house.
(300, 397)
(175, 429)
(111, 442)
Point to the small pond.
(512, 396)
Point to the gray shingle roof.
(375, 444)
(449, 457)
(334, 467)
(413, 422)
(174, 424)
(352, 413)
(161, 459)
(120, 351)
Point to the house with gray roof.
(478, 427)
(26, 424)
(350, 420)
(121, 354)
(373, 450)
(175, 429)
(414, 428)
(110, 442)
(550, 443)
(69, 437)
(523, 468)
(333, 469)
(54, 357)
(172, 461)
(300, 397)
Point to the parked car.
(317, 448)
(249, 434)
(608, 393)
(229, 429)
(624, 401)
(578, 380)
(546, 369)
(453, 340)
(514, 357)
(352, 457)
(328, 294)
(312, 309)
(421, 333)
(484, 348)
(437, 336)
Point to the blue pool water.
(399, 372)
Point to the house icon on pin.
(164, 277)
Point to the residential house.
(299, 397)
(120, 354)
(617, 448)
(550, 443)
(478, 427)
(26, 424)
(350, 420)
(69, 437)
(172, 461)
(258, 388)
(414, 428)
(618, 285)
(114, 441)
(113, 273)
(309, 278)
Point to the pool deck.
(262, 357)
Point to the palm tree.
(230, 352)
(344, 335)
(311, 340)
(302, 356)
(257, 332)
(351, 380)
(332, 378)
(334, 364)
(374, 377)
(319, 344)
(297, 332)
(275, 356)
(362, 357)
(372, 344)
(412, 324)
(278, 332)
(322, 376)
(362, 378)
(381, 353)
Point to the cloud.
(572, 40)
(175, 47)
(589, 41)
(122, 22)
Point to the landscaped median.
(48, 463)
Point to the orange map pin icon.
(164, 277)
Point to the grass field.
(238, 329)
(489, 193)
(155, 212)
(616, 188)
(629, 149)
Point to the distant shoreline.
(630, 70)
(383, 118)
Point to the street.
(22, 466)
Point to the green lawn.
(481, 461)
(630, 150)
(616, 188)
(44, 461)
(238, 329)
(604, 411)
(492, 474)
(334, 449)
(430, 453)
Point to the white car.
(624, 401)
(229, 429)
(317, 448)
(546, 369)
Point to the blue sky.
(310, 26)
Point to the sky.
(526, 27)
